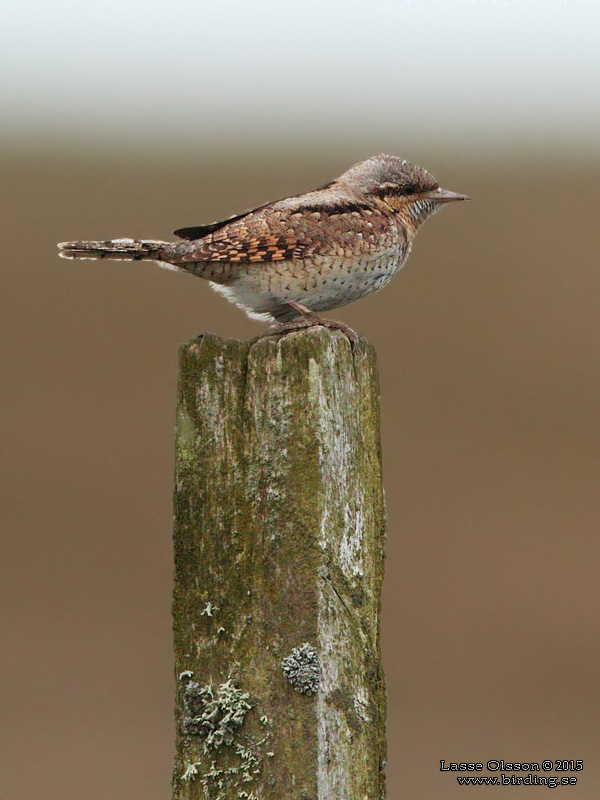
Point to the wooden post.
(279, 536)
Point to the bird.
(285, 261)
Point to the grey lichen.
(214, 716)
(302, 669)
(190, 772)
(209, 609)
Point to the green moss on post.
(279, 535)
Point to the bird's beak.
(444, 196)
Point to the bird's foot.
(280, 329)
(309, 320)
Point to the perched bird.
(287, 260)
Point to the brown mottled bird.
(311, 252)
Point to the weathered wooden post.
(279, 536)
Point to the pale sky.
(476, 69)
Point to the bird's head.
(404, 188)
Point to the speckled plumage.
(307, 253)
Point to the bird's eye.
(409, 189)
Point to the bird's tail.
(127, 249)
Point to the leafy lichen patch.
(230, 759)
(216, 716)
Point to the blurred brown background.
(489, 350)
